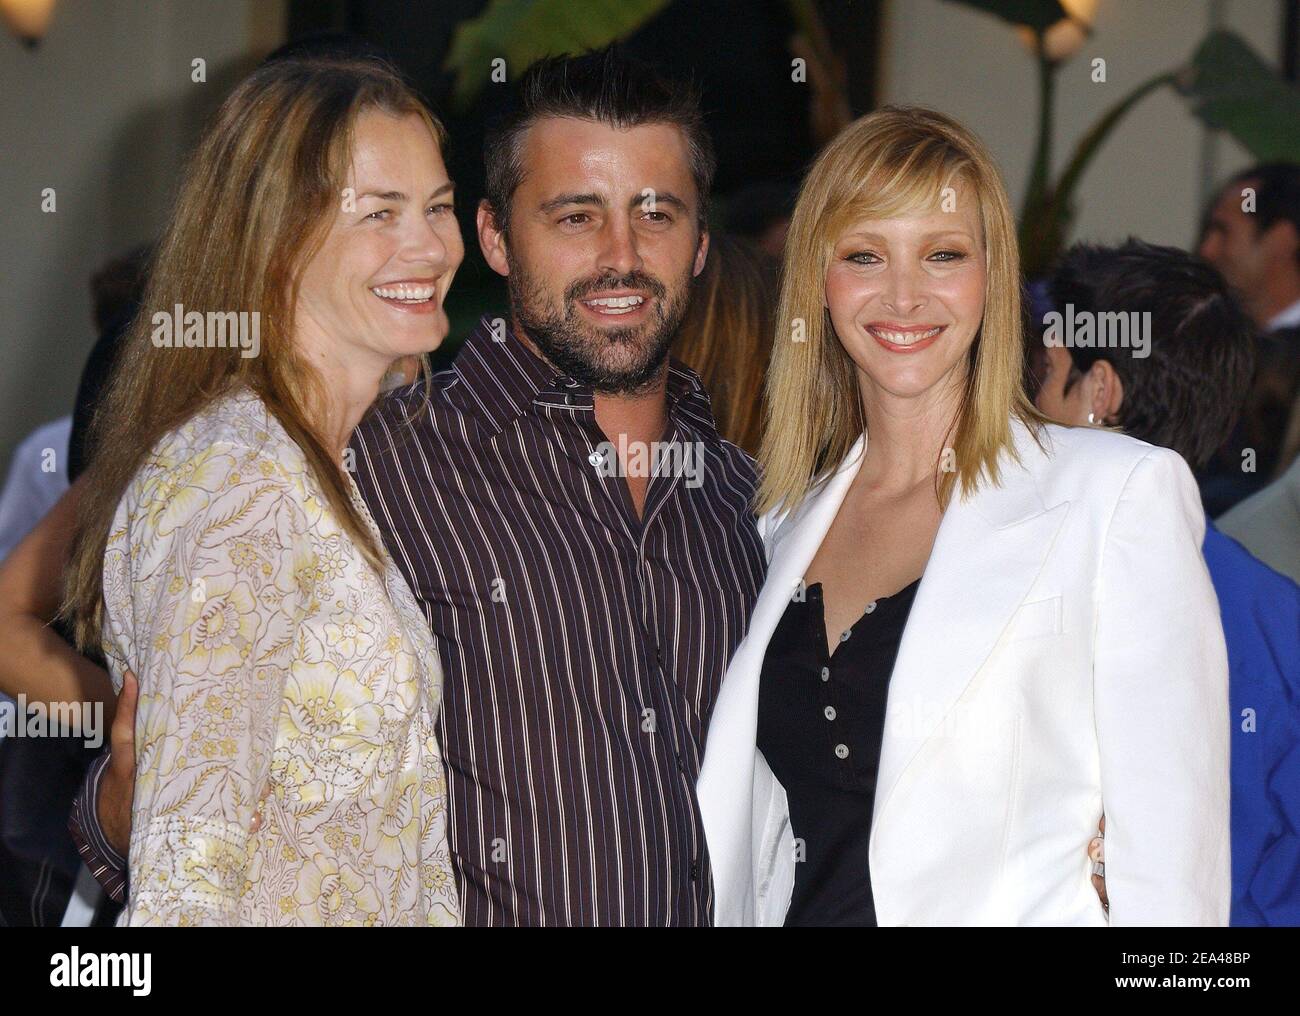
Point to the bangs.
(886, 180)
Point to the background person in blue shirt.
(1186, 395)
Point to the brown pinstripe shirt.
(582, 648)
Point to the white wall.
(101, 111)
(1159, 165)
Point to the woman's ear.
(1106, 392)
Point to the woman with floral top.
(288, 768)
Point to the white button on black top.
(841, 751)
(871, 607)
(826, 673)
(596, 458)
(830, 712)
(844, 636)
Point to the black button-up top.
(821, 721)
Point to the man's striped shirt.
(582, 647)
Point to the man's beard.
(612, 361)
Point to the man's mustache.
(632, 280)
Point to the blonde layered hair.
(254, 206)
(895, 161)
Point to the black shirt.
(821, 720)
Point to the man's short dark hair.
(605, 86)
(1187, 393)
(1277, 194)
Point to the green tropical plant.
(1232, 89)
(1229, 87)
(522, 31)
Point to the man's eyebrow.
(560, 200)
(393, 195)
(653, 197)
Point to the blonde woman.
(978, 630)
(288, 771)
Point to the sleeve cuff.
(106, 864)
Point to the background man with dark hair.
(1252, 235)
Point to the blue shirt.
(1261, 625)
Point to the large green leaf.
(1048, 214)
(1035, 14)
(1231, 88)
(522, 31)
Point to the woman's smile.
(410, 296)
(904, 338)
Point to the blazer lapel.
(792, 547)
(726, 784)
(987, 553)
(797, 539)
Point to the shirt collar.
(502, 375)
(507, 379)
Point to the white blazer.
(1063, 656)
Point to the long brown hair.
(890, 162)
(255, 203)
(726, 337)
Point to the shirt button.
(871, 606)
(844, 636)
(830, 712)
(695, 871)
(841, 751)
(826, 673)
(595, 458)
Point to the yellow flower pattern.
(280, 675)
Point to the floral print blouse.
(280, 676)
